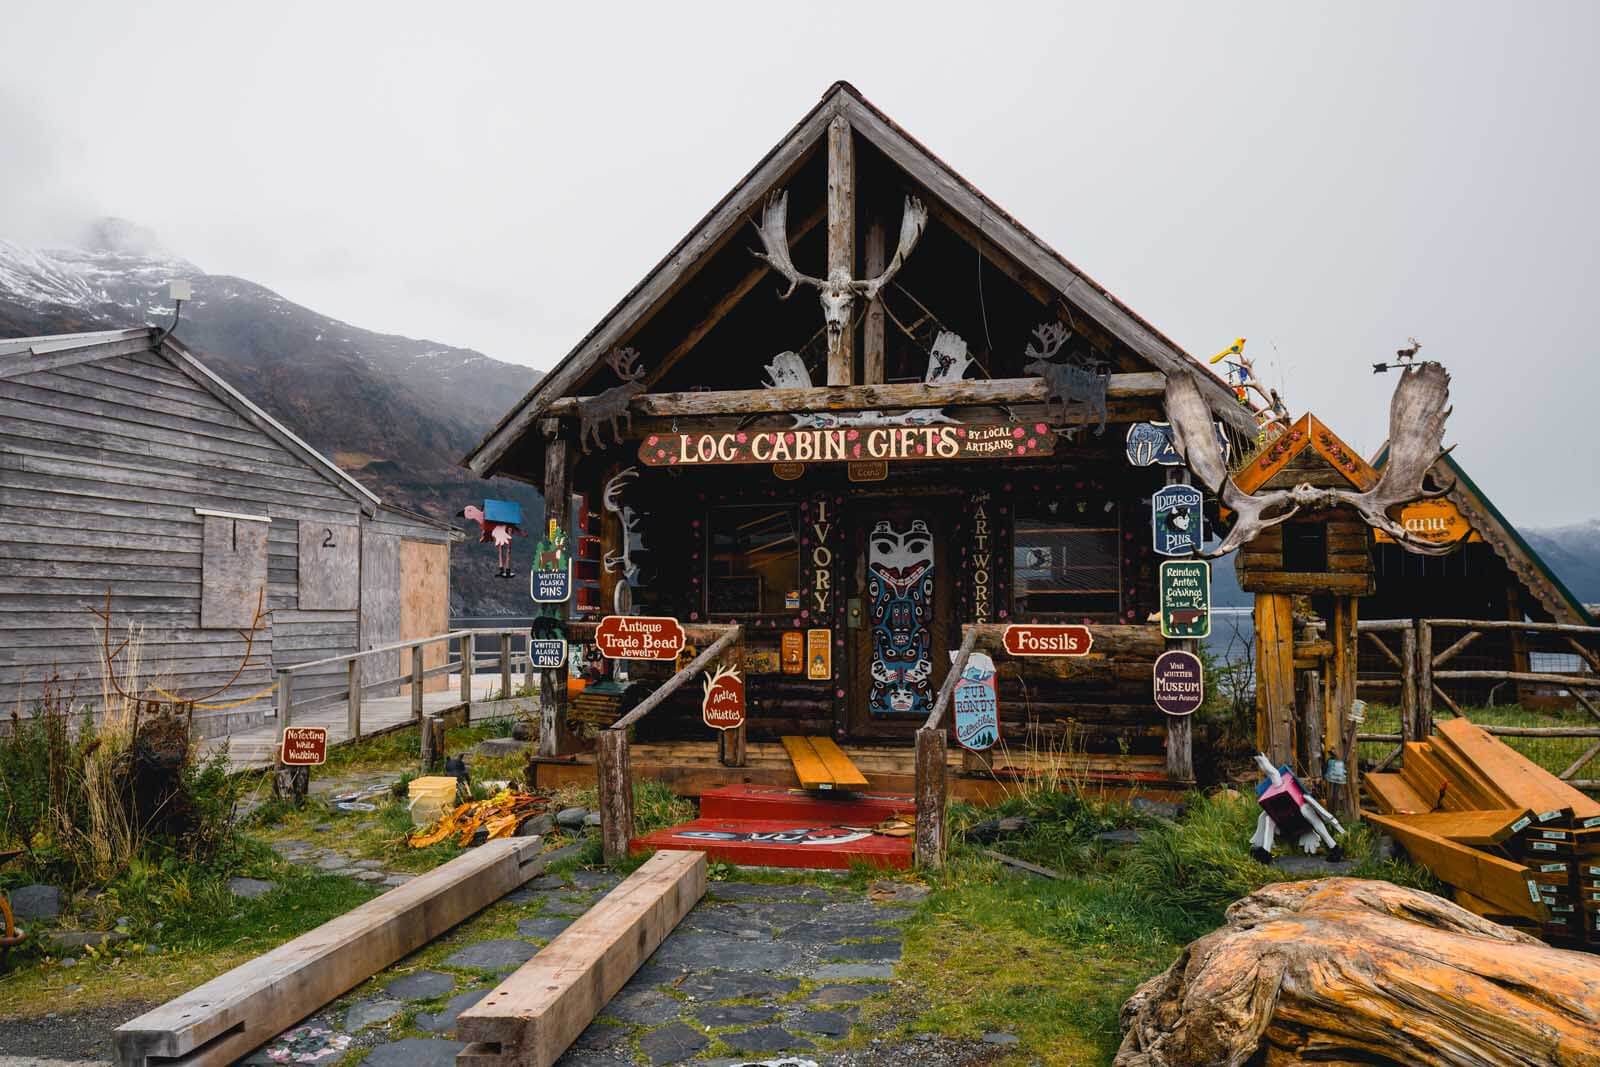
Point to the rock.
(371, 876)
(398, 879)
(71, 939)
(250, 888)
(36, 902)
(991, 830)
(501, 956)
(422, 985)
(846, 971)
(825, 1023)
(1156, 809)
(693, 950)
(334, 862)
(1313, 866)
(368, 865)
(1120, 838)
(322, 827)
(525, 730)
(1335, 962)
(847, 994)
(1386, 848)
(999, 1037)
(672, 1044)
(537, 826)
(736, 1015)
(760, 891)
(445, 1021)
(898, 892)
(598, 1035)
(69, 962)
(724, 985)
(872, 950)
(370, 1012)
(415, 1052)
(543, 927)
(571, 818)
(647, 1007)
(592, 819)
(495, 747)
(595, 880)
(765, 1039)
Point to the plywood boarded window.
(330, 567)
(233, 571)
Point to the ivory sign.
(639, 637)
(723, 706)
(849, 444)
(305, 746)
(1048, 640)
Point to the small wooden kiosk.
(943, 444)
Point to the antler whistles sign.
(723, 706)
(846, 444)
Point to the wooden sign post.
(639, 637)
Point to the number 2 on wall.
(327, 538)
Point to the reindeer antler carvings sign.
(1417, 414)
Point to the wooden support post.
(553, 736)
(615, 785)
(292, 783)
(1274, 621)
(433, 745)
(1346, 799)
(733, 745)
(1424, 678)
(416, 682)
(1312, 725)
(932, 793)
(505, 667)
(285, 702)
(872, 327)
(1409, 719)
(469, 652)
(352, 711)
(1180, 728)
(842, 237)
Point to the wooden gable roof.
(1307, 453)
(950, 198)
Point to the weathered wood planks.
(820, 763)
(228, 1016)
(531, 1017)
(1499, 881)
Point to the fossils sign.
(1037, 639)
(639, 637)
(723, 706)
(849, 444)
(1180, 686)
(305, 746)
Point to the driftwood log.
(1348, 971)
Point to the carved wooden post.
(416, 682)
(615, 785)
(553, 739)
(1274, 623)
(872, 327)
(285, 701)
(1410, 721)
(469, 652)
(353, 702)
(433, 743)
(932, 792)
(1180, 728)
(1346, 798)
(1424, 677)
(842, 237)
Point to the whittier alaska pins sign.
(639, 637)
(1180, 686)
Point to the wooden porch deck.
(257, 747)
(692, 767)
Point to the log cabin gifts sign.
(846, 444)
(1180, 686)
(1185, 598)
(639, 637)
(304, 746)
(1177, 520)
(723, 705)
(977, 703)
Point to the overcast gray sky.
(1324, 180)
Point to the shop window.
(753, 565)
(1066, 563)
(1305, 547)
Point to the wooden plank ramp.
(224, 1019)
(529, 1019)
(820, 763)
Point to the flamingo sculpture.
(500, 533)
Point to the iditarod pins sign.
(1177, 520)
(848, 444)
(977, 704)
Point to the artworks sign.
(723, 706)
(819, 655)
(639, 637)
(900, 565)
(982, 584)
(546, 654)
(793, 651)
(845, 444)
(550, 581)
(305, 746)
(1177, 520)
(1151, 443)
(1180, 686)
(1185, 598)
(1437, 521)
(1033, 639)
(977, 704)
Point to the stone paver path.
(755, 973)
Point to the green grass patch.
(1554, 754)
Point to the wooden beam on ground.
(999, 392)
(531, 1018)
(1525, 783)
(222, 1020)
(1482, 829)
(1501, 882)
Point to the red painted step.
(776, 802)
(781, 843)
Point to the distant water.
(1233, 632)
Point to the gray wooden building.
(129, 469)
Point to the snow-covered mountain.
(1573, 552)
(396, 412)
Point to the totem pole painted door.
(901, 638)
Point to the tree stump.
(1348, 971)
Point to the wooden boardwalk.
(257, 747)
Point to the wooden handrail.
(399, 646)
(1512, 624)
(968, 642)
(673, 684)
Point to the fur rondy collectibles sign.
(977, 704)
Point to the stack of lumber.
(1518, 845)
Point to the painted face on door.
(900, 589)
